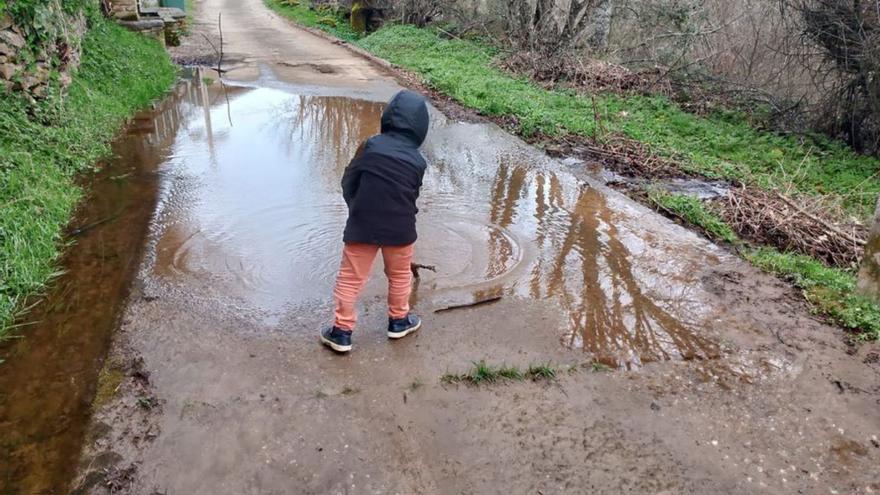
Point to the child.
(380, 186)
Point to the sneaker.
(337, 339)
(401, 327)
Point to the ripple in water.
(260, 217)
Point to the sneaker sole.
(400, 335)
(333, 345)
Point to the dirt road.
(720, 380)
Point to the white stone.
(12, 39)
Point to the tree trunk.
(869, 274)
(601, 21)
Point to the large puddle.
(241, 204)
(252, 214)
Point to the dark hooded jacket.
(382, 182)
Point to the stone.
(143, 25)
(171, 13)
(7, 71)
(40, 91)
(30, 81)
(34, 80)
(12, 39)
(126, 10)
(5, 22)
(7, 50)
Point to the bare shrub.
(418, 12)
(548, 26)
(587, 74)
(848, 34)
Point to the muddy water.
(251, 214)
(48, 378)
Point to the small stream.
(49, 374)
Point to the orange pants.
(357, 262)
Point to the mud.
(723, 381)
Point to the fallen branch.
(85, 228)
(814, 226)
(478, 302)
(827, 225)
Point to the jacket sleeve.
(421, 177)
(351, 178)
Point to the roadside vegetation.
(831, 291)
(45, 145)
(721, 144)
(325, 18)
(482, 373)
(693, 211)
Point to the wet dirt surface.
(215, 383)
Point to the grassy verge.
(325, 20)
(693, 211)
(41, 154)
(830, 290)
(722, 145)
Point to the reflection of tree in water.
(508, 188)
(583, 262)
(334, 125)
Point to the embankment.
(46, 144)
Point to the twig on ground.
(415, 267)
(478, 302)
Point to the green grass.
(598, 367)
(482, 373)
(40, 155)
(693, 210)
(831, 291)
(541, 372)
(326, 21)
(722, 145)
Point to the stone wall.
(28, 68)
(125, 10)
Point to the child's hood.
(407, 115)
